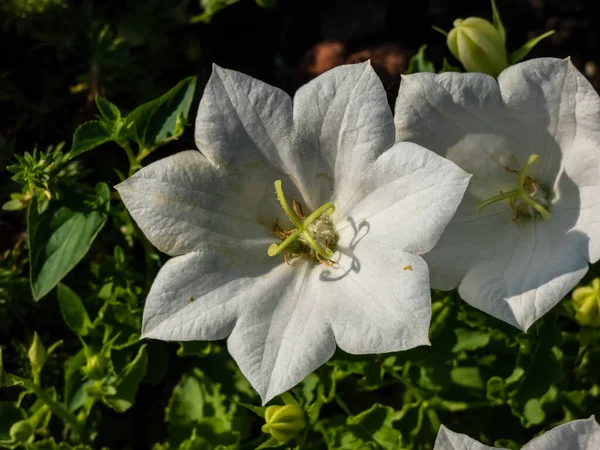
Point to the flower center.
(529, 199)
(313, 235)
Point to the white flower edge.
(542, 106)
(583, 434)
(214, 211)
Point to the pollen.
(409, 267)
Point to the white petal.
(379, 296)
(529, 270)
(408, 196)
(285, 335)
(342, 124)
(543, 106)
(449, 440)
(198, 296)
(243, 122)
(182, 201)
(575, 435)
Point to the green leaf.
(107, 110)
(75, 383)
(520, 54)
(9, 414)
(50, 444)
(13, 205)
(418, 63)
(469, 340)
(468, 377)
(498, 22)
(90, 135)
(371, 429)
(162, 119)
(73, 311)
(194, 348)
(60, 237)
(130, 379)
(211, 7)
(197, 403)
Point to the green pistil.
(520, 193)
(301, 227)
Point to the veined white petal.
(449, 440)
(408, 195)
(183, 201)
(370, 310)
(243, 122)
(342, 123)
(577, 435)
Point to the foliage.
(75, 269)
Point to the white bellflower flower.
(528, 226)
(294, 227)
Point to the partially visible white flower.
(575, 435)
(364, 213)
(528, 225)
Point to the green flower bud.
(284, 422)
(37, 353)
(478, 45)
(586, 301)
(96, 367)
(21, 431)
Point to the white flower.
(362, 216)
(528, 225)
(575, 435)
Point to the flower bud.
(478, 45)
(96, 367)
(284, 422)
(21, 431)
(37, 353)
(586, 301)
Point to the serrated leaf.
(76, 384)
(90, 135)
(107, 110)
(159, 120)
(73, 311)
(60, 237)
(129, 381)
(521, 53)
(370, 429)
(197, 403)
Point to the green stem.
(54, 406)
(133, 163)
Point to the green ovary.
(528, 199)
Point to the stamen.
(525, 192)
(302, 228)
(298, 209)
